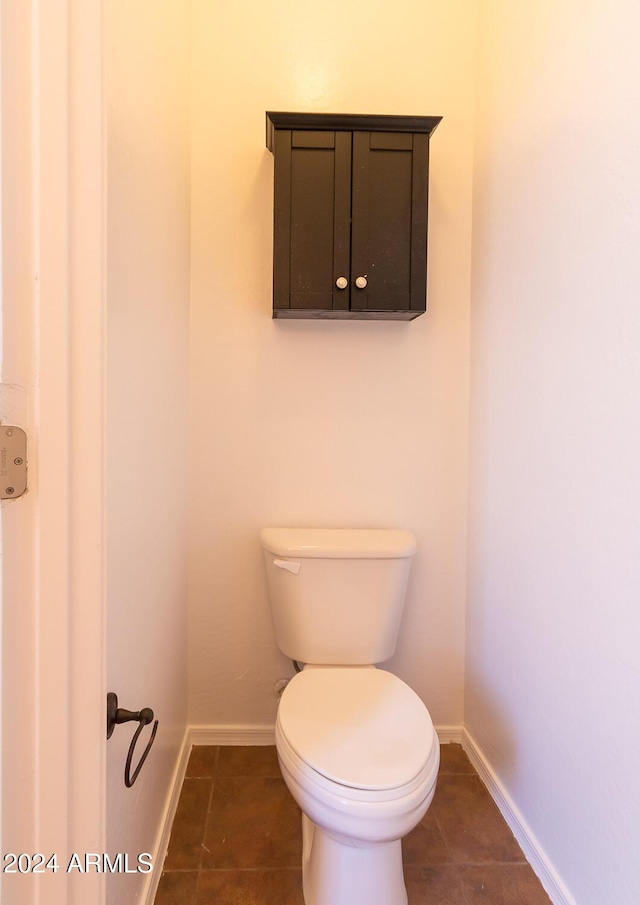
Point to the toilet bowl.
(358, 752)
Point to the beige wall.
(553, 688)
(322, 423)
(147, 373)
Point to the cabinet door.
(312, 211)
(389, 229)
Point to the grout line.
(194, 895)
(206, 827)
(444, 838)
(206, 824)
(196, 889)
(245, 870)
(462, 889)
(181, 870)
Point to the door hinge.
(13, 462)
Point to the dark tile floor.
(236, 839)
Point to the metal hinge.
(13, 462)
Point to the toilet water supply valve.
(116, 715)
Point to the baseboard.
(533, 851)
(449, 735)
(233, 735)
(265, 735)
(166, 822)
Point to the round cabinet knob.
(342, 282)
(361, 282)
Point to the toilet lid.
(362, 728)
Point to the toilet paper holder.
(117, 715)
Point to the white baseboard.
(166, 822)
(533, 852)
(449, 735)
(265, 735)
(233, 735)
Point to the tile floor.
(236, 839)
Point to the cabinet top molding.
(348, 122)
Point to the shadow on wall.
(502, 748)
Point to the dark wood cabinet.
(350, 215)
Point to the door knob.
(361, 282)
(342, 282)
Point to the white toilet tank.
(337, 594)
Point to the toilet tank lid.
(339, 543)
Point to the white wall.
(553, 688)
(147, 443)
(322, 423)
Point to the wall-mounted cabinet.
(350, 215)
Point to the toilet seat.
(349, 797)
(360, 728)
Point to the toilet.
(356, 746)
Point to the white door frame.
(54, 722)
